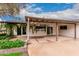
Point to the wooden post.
(46, 29)
(27, 33)
(75, 31)
(28, 24)
(56, 31)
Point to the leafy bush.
(5, 44)
(4, 36)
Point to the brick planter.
(12, 50)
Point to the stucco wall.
(77, 30)
(41, 33)
(69, 32)
(15, 30)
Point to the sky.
(63, 11)
(49, 7)
(51, 10)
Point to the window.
(64, 27)
(40, 28)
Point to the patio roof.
(11, 19)
(51, 20)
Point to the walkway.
(49, 47)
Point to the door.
(18, 30)
(49, 30)
(24, 29)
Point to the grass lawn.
(13, 54)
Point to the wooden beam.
(56, 31)
(50, 21)
(75, 31)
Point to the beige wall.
(77, 30)
(69, 32)
(15, 31)
(41, 33)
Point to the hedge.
(6, 44)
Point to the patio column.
(75, 31)
(28, 24)
(56, 31)
(46, 30)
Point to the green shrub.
(6, 44)
(4, 36)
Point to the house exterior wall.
(15, 30)
(69, 32)
(42, 33)
(39, 33)
(54, 27)
(77, 30)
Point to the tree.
(9, 28)
(9, 8)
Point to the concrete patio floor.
(49, 47)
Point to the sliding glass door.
(49, 30)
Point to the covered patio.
(56, 37)
(53, 45)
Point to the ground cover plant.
(7, 44)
